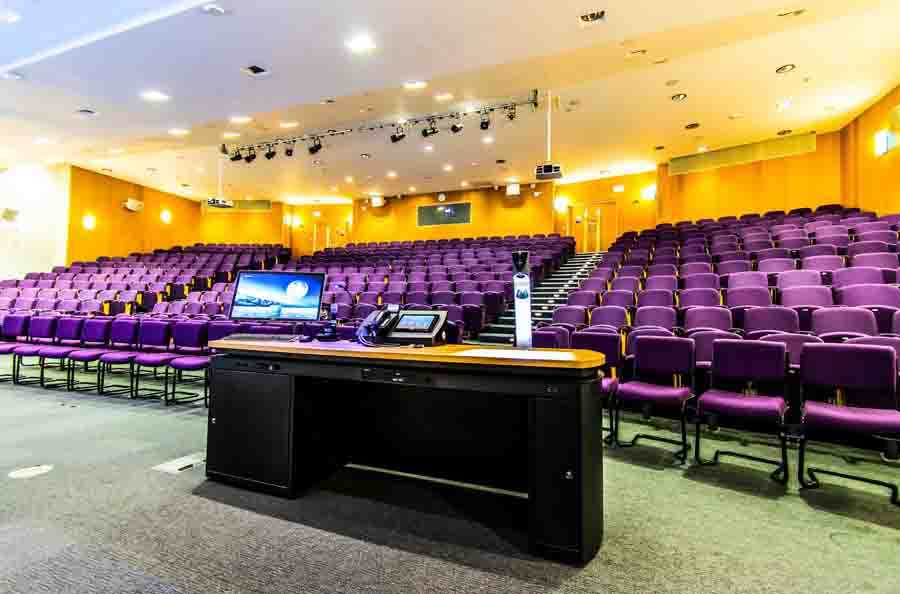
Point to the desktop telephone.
(392, 325)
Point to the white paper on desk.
(518, 354)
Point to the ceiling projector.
(217, 202)
(548, 171)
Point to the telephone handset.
(378, 325)
(409, 327)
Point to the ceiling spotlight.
(786, 68)
(692, 126)
(228, 135)
(289, 150)
(179, 132)
(392, 174)
(316, 146)
(270, 154)
(428, 148)
(660, 148)
(485, 120)
(236, 156)
(448, 167)
(412, 189)
(488, 140)
(702, 149)
(785, 132)
(511, 113)
(443, 97)
(431, 130)
(415, 85)
(398, 135)
(464, 184)
(366, 157)
(154, 96)
(289, 125)
(457, 127)
(678, 97)
(250, 156)
(349, 179)
(361, 44)
(240, 120)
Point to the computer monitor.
(277, 296)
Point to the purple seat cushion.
(190, 363)
(87, 355)
(57, 352)
(653, 393)
(28, 350)
(7, 348)
(155, 359)
(117, 357)
(733, 404)
(609, 385)
(822, 418)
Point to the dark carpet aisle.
(104, 521)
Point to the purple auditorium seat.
(882, 300)
(473, 306)
(598, 285)
(551, 337)
(626, 283)
(700, 297)
(850, 396)
(839, 324)
(748, 383)
(587, 299)
(123, 340)
(813, 251)
(805, 300)
(663, 372)
(761, 321)
(706, 280)
(703, 348)
(609, 318)
(697, 258)
(665, 283)
(798, 278)
(861, 228)
(68, 340)
(795, 244)
(773, 254)
(741, 299)
(444, 297)
(619, 298)
(873, 242)
(190, 339)
(748, 279)
(857, 275)
(41, 333)
(655, 316)
(733, 267)
(370, 297)
(95, 335)
(466, 285)
(571, 315)
(656, 297)
(610, 345)
(661, 270)
(794, 344)
(438, 286)
(776, 265)
(630, 272)
(699, 319)
(695, 268)
(418, 298)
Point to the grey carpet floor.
(104, 521)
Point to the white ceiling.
(723, 53)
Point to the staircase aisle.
(545, 297)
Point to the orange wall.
(776, 184)
(119, 232)
(492, 214)
(872, 182)
(232, 226)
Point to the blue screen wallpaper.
(278, 296)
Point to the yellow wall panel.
(875, 181)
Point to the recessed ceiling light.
(785, 68)
(660, 148)
(474, 163)
(443, 97)
(213, 9)
(785, 132)
(361, 44)
(154, 96)
(428, 148)
(349, 179)
(288, 125)
(619, 188)
(106, 170)
(392, 174)
(328, 101)
(736, 116)
(240, 120)
(412, 188)
(659, 61)
(702, 149)
(334, 188)
(636, 52)
(44, 140)
(231, 135)
(365, 156)
(672, 82)
(488, 140)
(692, 126)
(9, 17)
(785, 104)
(448, 167)
(793, 13)
(464, 184)
(116, 151)
(11, 75)
(179, 132)
(255, 71)
(415, 85)
(679, 97)
(85, 113)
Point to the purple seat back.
(807, 295)
(663, 356)
(664, 317)
(771, 320)
(748, 296)
(709, 318)
(702, 297)
(798, 278)
(748, 279)
(841, 320)
(763, 363)
(571, 314)
(776, 265)
(703, 344)
(620, 298)
(656, 297)
(865, 374)
(794, 344)
(857, 275)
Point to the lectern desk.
(284, 416)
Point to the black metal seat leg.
(779, 475)
(809, 480)
(680, 454)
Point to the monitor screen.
(277, 296)
(423, 322)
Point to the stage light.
(289, 151)
(431, 130)
(485, 120)
(270, 154)
(250, 156)
(316, 146)
(457, 127)
(237, 156)
(511, 113)
(398, 135)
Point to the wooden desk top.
(459, 354)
